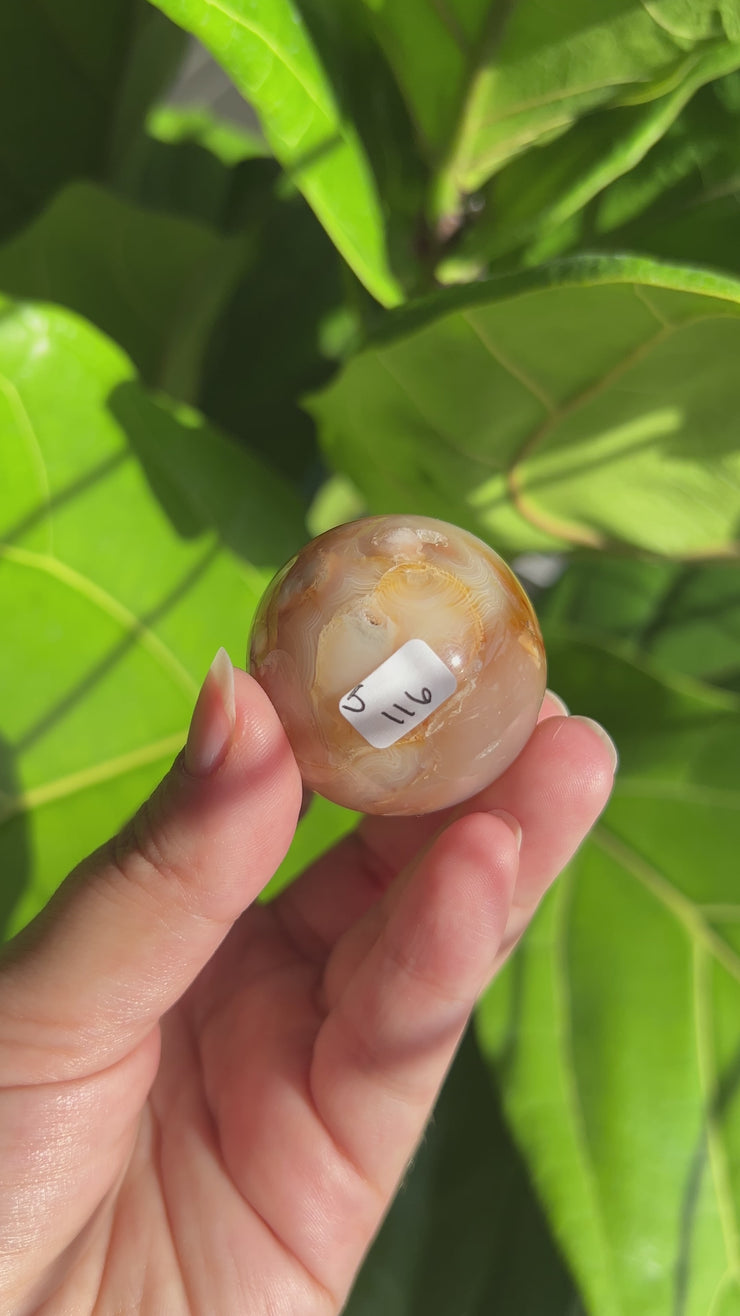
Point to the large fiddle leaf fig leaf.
(240, 322)
(684, 616)
(153, 282)
(134, 540)
(615, 1031)
(76, 77)
(280, 334)
(592, 402)
(486, 81)
(269, 50)
(675, 201)
(466, 1234)
(681, 202)
(538, 205)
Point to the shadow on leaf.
(16, 844)
(717, 1107)
(205, 482)
(466, 1234)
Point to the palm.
(230, 1145)
(228, 1100)
(244, 1164)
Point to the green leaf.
(538, 193)
(465, 1234)
(591, 402)
(681, 203)
(154, 283)
(190, 163)
(240, 323)
(134, 540)
(686, 618)
(281, 333)
(229, 142)
(266, 46)
(336, 502)
(486, 81)
(75, 80)
(615, 1031)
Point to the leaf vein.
(563, 1007)
(27, 431)
(684, 910)
(450, 21)
(486, 462)
(49, 792)
(277, 51)
(516, 371)
(708, 1080)
(101, 599)
(642, 296)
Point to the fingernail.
(560, 703)
(511, 822)
(213, 720)
(604, 737)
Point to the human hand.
(205, 1110)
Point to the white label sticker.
(404, 691)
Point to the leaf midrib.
(257, 31)
(112, 607)
(95, 775)
(578, 1120)
(28, 433)
(555, 413)
(467, 124)
(705, 945)
(708, 1080)
(684, 910)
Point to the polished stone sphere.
(404, 660)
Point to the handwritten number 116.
(359, 706)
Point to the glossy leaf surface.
(589, 403)
(615, 1032)
(568, 192)
(486, 81)
(134, 540)
(281, 331)
(268, 51)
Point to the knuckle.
(147, 855)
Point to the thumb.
(133, 925)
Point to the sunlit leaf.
(134, 540)
(486, 81)
(592, 402)
(540, 201)
(268, 50)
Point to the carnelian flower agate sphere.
(404, 660)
